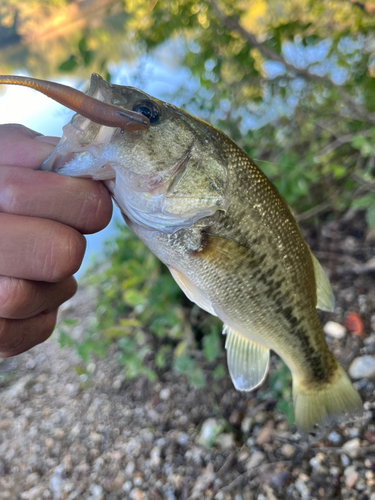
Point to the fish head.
(165, 177)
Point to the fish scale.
(229, 239)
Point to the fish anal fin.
(191, 290)
(248, 361)
(325, 299)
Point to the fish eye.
(148, 109)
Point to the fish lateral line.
(95, 110)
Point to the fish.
(229, 239)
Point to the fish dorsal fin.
(191, 291)
(325, 299)
(247, 361)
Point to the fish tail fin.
(325, 403)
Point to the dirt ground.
(63, 436)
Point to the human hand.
(42, 218)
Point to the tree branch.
(339, 141)
(232, 24)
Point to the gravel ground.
(65, 437)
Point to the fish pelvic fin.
(325, 299)
(330, 402)
(248, 361)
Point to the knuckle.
(10, 195)
(96, 208)
(12, 296)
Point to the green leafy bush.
(141, 308)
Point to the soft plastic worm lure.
(87, 106)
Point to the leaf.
(65, 340)
(69, 65)
(286, 406)
(197, 378)
(184, 364)
(133, 297)
(82, 46)
(162, 355)
(211, 347)
(70, 322)
(366, 201)
(370, 217)
(219, 372)
(88, 57)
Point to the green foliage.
(367, 202)
(91, 343)
(140, 308)
(280, 387)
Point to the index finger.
(19, 148)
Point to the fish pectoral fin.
(248, 361)
(325, 299)
(191, 291)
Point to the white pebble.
(362, 367)
(335, 437)
(301, 487)
(288, 450)
(334, 330)
(164, 394)
(255, 460)
(351, 447)
(127, 486)
(344, 460)
(226, 440)
(211, 428)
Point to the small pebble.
(211, 428)
(335, 437)
(265, 434)
(255, 460)
(226, 440)
(351, 447)
(246, 424)
(362, 367)
(351, 476)
(344, 460)
(137, 494)
(369, 340)
(288, 450)
(127, 486)
(129, 469)
(164, 394)
(334, 471)
(334, 330)
(155, 457)
(183, 438)
(301, 486)
(352, 432)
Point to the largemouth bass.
(229, 239)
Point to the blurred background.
(293, 83)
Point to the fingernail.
(47, 138)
